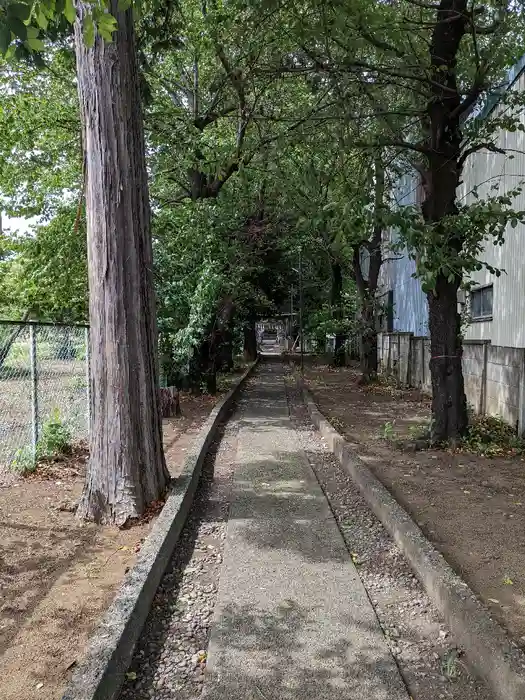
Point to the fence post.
(483, 392)
(398, 368)
(34, 387)
(410, 359)
(88, 380)
(521, 407)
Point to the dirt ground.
(471, 507)
(57, 575)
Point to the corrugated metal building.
(496, 303)
(402, 291)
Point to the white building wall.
(484, 169)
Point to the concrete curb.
(491, 654)
(102, 671)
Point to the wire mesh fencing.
(43, 377)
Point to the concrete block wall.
(494, 376)
(474, 374)
(504, 369)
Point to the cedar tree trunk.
(126, 468)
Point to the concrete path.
(293, 620)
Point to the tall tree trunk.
(440, 181)
(336, 301)
(224, 337)
(368, 353)
(225, 361)
(367, 285)
(449, 404)
(221, 341)
(126, 468)
(250, 340)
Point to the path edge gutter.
(489, 651)
(109, 653)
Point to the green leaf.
(18, 28)
(70, 13)
(32, 32)
(19, 10)
(123, 5)
(41, 19)
(513, 223)
(35, 44)
(5, 38)
(107, 24)
(89, 31)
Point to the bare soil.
(471, 507)
(58, 575)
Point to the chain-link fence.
(43, 376)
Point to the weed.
(55, 438)
(449, 664)
(492, 437)
(388, 430)
(78, 383)
(24, 461)
(421, 431)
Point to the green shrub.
(55, 438)
(24, 461)
(492, 437)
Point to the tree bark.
(367, 288)
(126, 468)
(224, 337)
(449, 404)
(440, 182)
(250, 340)
(336, 301)
(368, 342)
(225, 361)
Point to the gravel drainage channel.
(429, 661)
(170, 658)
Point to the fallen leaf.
(493, 600)
(508, 581)
(465, 491)
(39, 685)
(131, 676)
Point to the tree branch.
(479, 147)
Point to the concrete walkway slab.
(293, 619)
